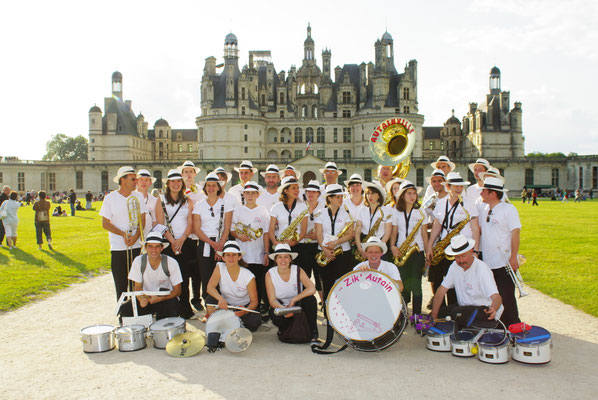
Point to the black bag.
(298, 330)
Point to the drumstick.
(236, 308)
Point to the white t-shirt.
(281, 214)
(155, 279)
(284, 291)
(311, 222)
(150, 217)
(342, 218)
(237, 193)
(353, 209)
(456, 215)
(267, 200)
(256, 218)
(400, 219)
(386, 267)
(211, 215)
(429, 191)
(474, 286)
(179, 223)
(496, 233)
(197, 196)
(115, 209)
(473, 192)
(367, 220)
(235, 293)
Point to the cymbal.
(185, 344)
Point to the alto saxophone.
(321, 258)
(371, 232)
(290, 233)
(406, 248)
(438, 249)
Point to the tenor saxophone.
(371, 232)
(438, 249)
(290, 233)
(406, 248)
(321, 258)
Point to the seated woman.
(281, 286)
(233, 284)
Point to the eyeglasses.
(488, 217)
(212, 211)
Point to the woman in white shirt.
(233, 284)
(283, 292)
(211, 223)
(250, 218)
(286, 212)
(407, 216)
(373, 212)
(144, 181)
(331, 222)
(173, 210)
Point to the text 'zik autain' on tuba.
(391, 144)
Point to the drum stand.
(136, 319)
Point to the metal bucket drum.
(131, 337)
(464, 346)
(494, 348)
(98, 338)
(533, 346)
(367, 310)
(165, 329)
(223, 322)
(438, 337)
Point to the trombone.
(515, 275)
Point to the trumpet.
(244, 229)
(515, 275)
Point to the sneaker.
(315, 339)
(196, 303)
(429, 306)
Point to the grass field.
(559, 240)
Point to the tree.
(65, 148)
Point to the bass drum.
(367, 310)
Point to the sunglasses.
(212, 211)
(488, 217)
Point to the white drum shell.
(532, 353)
(165, 329)
(224, 322)
(438, 342)
(131, 337)
(462, 348)
(493, 353)
(98, 338)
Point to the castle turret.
(495, 80)
(117, 85)
(308, 48)
(95, 120)
(326, 58)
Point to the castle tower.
(95, 120)
(117, 85)
(495, 80)
(308, 48)
(326, 58)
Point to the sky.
(58, 58)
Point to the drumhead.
(167, 323)
(535, 335)
(223, 321)
(128, 329)
(364, 305)
(97, 329)
(492, 338)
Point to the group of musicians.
(243, 247)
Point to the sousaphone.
(391, 144)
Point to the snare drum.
(98, 338)
(464, 346)
(494, 348)
(367, 310)
(165, 329)
(223, 322)
(438, 337)
(533, 346)
(131, 337)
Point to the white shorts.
(10, 228)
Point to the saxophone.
(406, 248)
(438, 249)
(371, 232)
(321, 258)
(290, 233)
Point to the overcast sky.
(58, 57)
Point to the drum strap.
(321, 349)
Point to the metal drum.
(464, 346)
(367, 310)
(98, 338)
(494, 348)
(533, 346)
(438, 337)
(165, 329)
(131, 337)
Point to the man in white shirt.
(123, 233)
(331, 174)
(269, 197)
(480, 166)
(155, 272)
(246, 172)
(444, 164)
(500, 226)
(374, 249)
(477, 295)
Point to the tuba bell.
(391, 144)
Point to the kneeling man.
(477, 295)
(374, 249)
(155, 272)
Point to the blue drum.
(463, 344)
(533, 346)
(438, 337)
(494, 348)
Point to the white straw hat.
(459, 245)
(188, 164)
(123, 171)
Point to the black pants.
(309, 306)
(163, 309)
(120, 269)
(2, 232)
(334, 270)
(411, 275)
(260, 281)
(45, 227)
(506, 289)
(195, 275)
(535, 202)
(306, 259)
(185, 261)
(251, 321)
(436, 275)
(206, 267)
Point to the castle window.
(160, 144)
(78, 179)
(242, 110)
(298, 135)
(245, 126)
(263, 99)
(367, 175)
(346, 154)
(335, 154)
(406, 110)
(93, 140)
(245, 149)
(245, 136)
(406, 93)
(298, 153)
(281, 114)
(346, 97)
(335, 135)
(442, 145)
(346, 135)
(529, 177)
(580, 177)
(180, 148)
(594, 177)
(309, 152)
(52, 181)
(346, 113)
(21, 181)
(454, 131)
(314, 111)
(189, 147)
(160, 133)
(281, 98)
(334, 115)
(321, 135)
(431, 145)
(242, 93)
(304, 111)
(309, 135)
(419, 177)
(200, 135)
(321, 154)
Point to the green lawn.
(559, 240)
